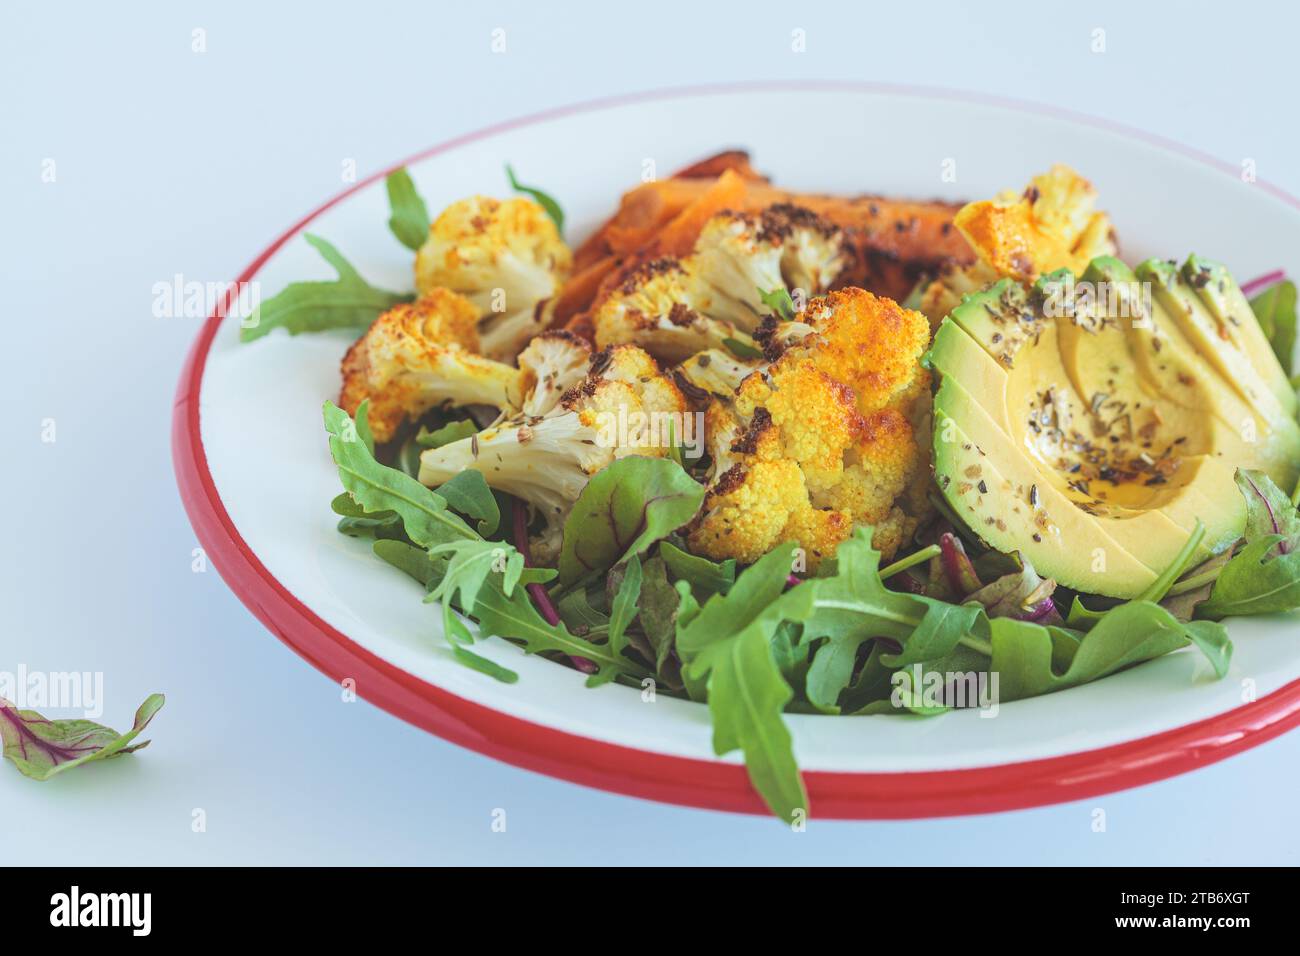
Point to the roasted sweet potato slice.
(579, 292)
(736, 160)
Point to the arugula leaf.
(349, 302)
(742, 350)
(658, 613)
(452, 431)
(851, 605)
(624, 606)
(379, 488)
(1275, 308)
(407, 459)
(468, 493)
(409, 221)
(851, 600)
(484, 666)
(427, 521)
(832, 669)
(1081, 617)
(873, 682)
(779, 301)
(1030, 659)
(1255, 583)
(545, 201)
(513, 616)
(941, 629)
(792, 657)
(468, 567)
(41, 748)
(728, 646)
(910, 695)
(356, 522)
(625, 508)
(576, 611)
(1211, 638)
(704, 576)
(362, 423)
(414, 561)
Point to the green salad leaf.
(543, 199)
(478, 662)
(409, 221)
(41, 748)
(349, 302)
(833, 664)
(779, 301)
(469, 494)
(624, 606)
(1256, 581)
(742, 350)
(657, 610)
(356, 522)
(1269, 510)
(409, 559)
(727, 645)
(625, 508)
(513, 616)
(1264, 576)
(378, 488)
(482, 578)
(468, 565)
(1030, 659)
(452, 431)
(704, 576)
(1275, 308)
(575, 610)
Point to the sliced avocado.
(1184, 382)
(1231, 309)
(1009, 511)
(1102, 423)
(1194, 366)
(1147, 535)
(1211, 338)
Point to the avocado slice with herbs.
(1090, 433)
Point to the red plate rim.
(654, 776)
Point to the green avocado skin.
(992, 337)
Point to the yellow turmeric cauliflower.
(674, 308)
(419, 355)
(623, 405)
(1052, 225)
(506, 257)
(825, 437)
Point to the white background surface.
(173, 161)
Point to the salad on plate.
(783, 452)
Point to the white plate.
(260, 423)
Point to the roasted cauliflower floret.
(623, 406)
(843, 403)
(1053, 224)
(655, 308)
(713, 372)
(506, 257)
(419, 355)
(869, 343)
(753, 507)
(739, 256)
(552, 363)
(676, 307)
